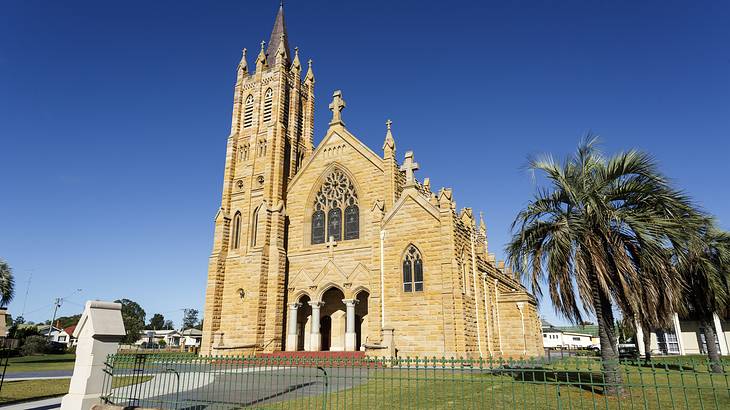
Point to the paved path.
(46, 374)
(45, 404)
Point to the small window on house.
(236, 231)
(268, 103)
(248, 112)
(412, 270)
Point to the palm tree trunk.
(613, 378)
(712, 352)
(647, 343)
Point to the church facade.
(336, 247)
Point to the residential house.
(686, 337)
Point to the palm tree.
(705, 263)
(589, 234)
(7, 284)
(657, 301)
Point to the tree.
(157, 322)
(705, 263)
(168, 325)
(575, 236)
(7, 284)
(66, 321)
(133, 317)
(190, 318)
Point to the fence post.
(98, 333)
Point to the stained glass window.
(412, 270)
(352, 222)
(318, 227)
(336, 196)
(334, 224)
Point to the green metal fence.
(191, 382)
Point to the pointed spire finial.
(309, 77)
(389, 144)
(482, 225)
(243, 65)
(261, 59)
(336, 106)
(295, 64)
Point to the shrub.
(34, 345)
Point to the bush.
(34, 345)
(55, 348)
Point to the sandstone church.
(336, 247)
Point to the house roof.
(70, 329)
(192, 332)
(591, 330)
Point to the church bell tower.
(271, 136)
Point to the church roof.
(275, 39)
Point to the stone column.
(720, 334)
(350, 334)
(291, 333)
(315, 338)
(98, 333)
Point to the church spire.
(278, 36)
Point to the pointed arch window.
(248, 112)
(412, 270)
(236, 231)
(336, 198)
(464, 274)
(255, 225)
(318, 226)
(268, 104)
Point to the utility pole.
(57, 303)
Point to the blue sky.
(114, 116)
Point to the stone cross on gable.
(336, 107)
(331, 246)
(409, 166)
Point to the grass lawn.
(38, 389)
(40, 363)
(548, 388)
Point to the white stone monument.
(98, 333)
(3, 327)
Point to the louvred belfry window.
(268, 103)
(336, 198)
(248, 112)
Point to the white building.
(171, 338)
(686, 337)
(557, 338)
(192, 338)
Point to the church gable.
(339, 145)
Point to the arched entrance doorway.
(332, 320)
(304, 315)
(325, 329)
(361, 319)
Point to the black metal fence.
(191, 382)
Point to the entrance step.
(325, 359)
